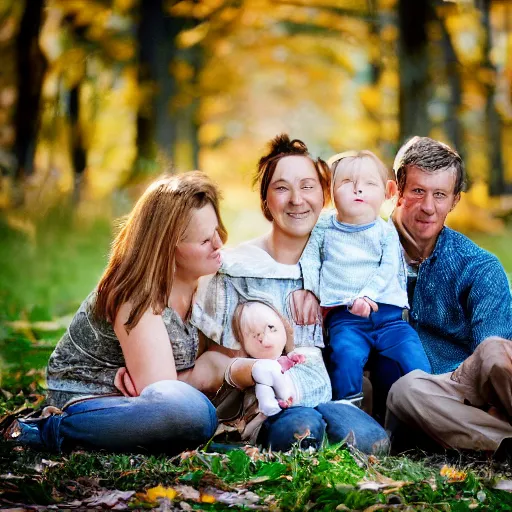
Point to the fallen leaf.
(244, 498)
(188, 493)
(207, 498)
(109, 499)
(161, 492)
(504, 485)
(452, 474)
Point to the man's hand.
(123, 382)
(305, 308)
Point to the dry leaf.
(452, 474)
(160, 492)
(504, 485)
(109, 499)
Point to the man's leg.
(435, 404)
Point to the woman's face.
(295, 197)
(198, 253)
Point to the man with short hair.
(459, 296)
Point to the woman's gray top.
(87, 357)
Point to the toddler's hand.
(290, 360)
(361, 308)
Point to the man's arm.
(489, 302)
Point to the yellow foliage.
(195, 35)
(389, 33)
(207, 498)
(467, 34)
(453, 474)
(124, 5)
(370, 98)
(161, 492)
(120, 49)
(468, 217)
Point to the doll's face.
(263, 332)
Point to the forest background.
(97, 97)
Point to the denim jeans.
(308, 426)
(351, 338)
(168, 417)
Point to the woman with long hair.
(139, 317)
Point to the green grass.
(47, 277)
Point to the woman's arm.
(146, 349)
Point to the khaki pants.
(467, 409)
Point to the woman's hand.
(305, 308)
(123, 382)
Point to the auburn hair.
(142, 259)
(280, 147)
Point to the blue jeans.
(168, 417)
(308, 426)
(351, 338)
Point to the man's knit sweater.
(461, 297)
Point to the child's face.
(359, 192)
(263, 332)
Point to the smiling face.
(426, 200)
(359, 190)
(295, 197)
(198, 253)
(262, 330)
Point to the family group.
(335, 325)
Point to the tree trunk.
(156, 131)
(31, 69)
(414, 94)
(78, 151)
(496, 170)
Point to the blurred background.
(97, 97)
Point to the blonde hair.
(237, 322)
(349, 160)
(141, 266)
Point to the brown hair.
(237, 324)
(142, 259)
(280, 147)
(430, 156)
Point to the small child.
(362, 278)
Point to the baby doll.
(264, 333)
(362, 278)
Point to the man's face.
(426, 201)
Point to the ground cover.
(44, 275)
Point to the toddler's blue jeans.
(351, 338)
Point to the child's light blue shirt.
(359, 261)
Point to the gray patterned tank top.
(87, 357)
